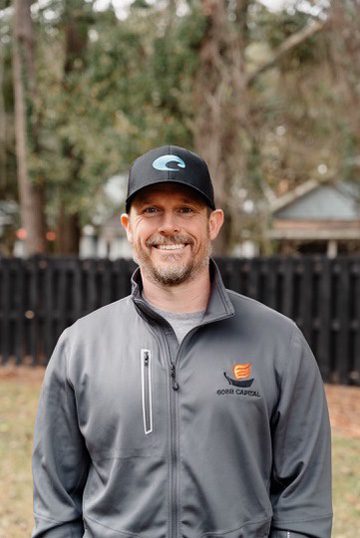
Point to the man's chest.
(127, 404)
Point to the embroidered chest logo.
(240, 380)
(242, 373)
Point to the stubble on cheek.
(174, 272)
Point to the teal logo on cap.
(163, 163)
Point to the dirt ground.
(343, 401)
(344, 409)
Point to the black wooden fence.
(39, 297)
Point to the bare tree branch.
(290, 43)
(2, 125)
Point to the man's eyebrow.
(144, 200)
(190, 200)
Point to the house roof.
(320, 201)
(8, 210)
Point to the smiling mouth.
(171, 247)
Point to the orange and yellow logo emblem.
(242, 371)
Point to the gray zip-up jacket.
(226, 435)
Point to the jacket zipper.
(146, 392)
(174, 383)
(173, 388)
(174, 457)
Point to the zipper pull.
(175, 384)
(146, 358)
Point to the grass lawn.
(18, 401)
(346, 487)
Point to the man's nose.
(169, 224)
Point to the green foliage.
(124, 95)
(127, 85)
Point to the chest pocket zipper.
(146, 391)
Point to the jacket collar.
(219, 306)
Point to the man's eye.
(186, 210)
(150, 210)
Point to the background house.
(108, 240)
(318, 217)
(8, 219)
(105, 237)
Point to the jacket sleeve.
(301, 477)
(60, 458)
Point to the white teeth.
(171, 247)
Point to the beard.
(175, 271)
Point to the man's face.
(171, 230)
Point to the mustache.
(177, 239)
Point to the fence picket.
(355, 372)
(324, 317)
(5, 310)
(342, 350)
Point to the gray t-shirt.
(181, 323)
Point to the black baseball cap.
(170, 164)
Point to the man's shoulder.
(105, 315)
(258, 314)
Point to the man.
(184, 410)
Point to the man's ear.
(125, 223)
(216, 220)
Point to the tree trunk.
(31, 195)
(68, 225)
(220, 100)
(68, 232)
